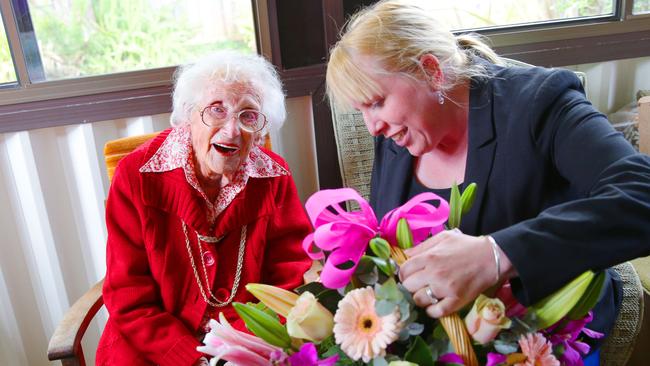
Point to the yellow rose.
(309, 320)
(486, 319)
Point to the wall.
(53, 185)
(612, 85)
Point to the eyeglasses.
(249, 120)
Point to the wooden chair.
(65, 344)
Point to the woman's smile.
(225, 149)
(400, 137)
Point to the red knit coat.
(154, 303)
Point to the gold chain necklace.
(240, 263)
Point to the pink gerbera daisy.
(362, 333)
(538, 351)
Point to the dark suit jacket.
(559, 189)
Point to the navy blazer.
(559, 189)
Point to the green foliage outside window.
(582, 8)
(641, 6)
(107, 36)
(7, 73)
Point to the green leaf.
(467, 198)
(389, 291)
(439, 332)
(505, 348)
(419, 353)
(260, 305)
(590, 297)
(384, 265)
(263, 325)
(415, 328)
(554, 307)
(365, 265)
(369, 278)
(384, 307)
(455, 207)
(404, 234)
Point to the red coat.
(150, 291)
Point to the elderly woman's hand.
(453, 268)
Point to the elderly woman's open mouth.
(226, 149)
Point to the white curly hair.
(191, 80)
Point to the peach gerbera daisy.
(359, 330)
(538, 351)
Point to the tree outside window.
(93, 37)
(7, 72)
(468, 14)
(641, 7)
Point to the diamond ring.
(429, 292)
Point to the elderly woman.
(559, 191)
(197, 213)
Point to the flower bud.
(275, 298)
(404, 234)
(309, 320)
(380, 247)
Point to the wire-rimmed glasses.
(249, 120)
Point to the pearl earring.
(441, 99)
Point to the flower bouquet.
(358, 313)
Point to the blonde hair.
(397, 33)
(192, 80)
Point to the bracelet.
(497, 259)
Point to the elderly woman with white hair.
(198, 212)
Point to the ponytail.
(473, 44)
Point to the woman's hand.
(455, 267)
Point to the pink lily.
(567, 337)
(308, 356)
(224, 342)
(494, 359)
(452, 358)
(345, 235)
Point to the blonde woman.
(559, 191)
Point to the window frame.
(29, 105)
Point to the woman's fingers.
(444, 307)
(427, 244)
(426, 296)
(409, 268)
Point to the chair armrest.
(66, 340)
(644, 125)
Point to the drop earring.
(441, 99)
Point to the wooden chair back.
(115, 150)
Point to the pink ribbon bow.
(345, 235)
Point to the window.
(469, 14)
(641, 7)
(78, 38)
(7, 72)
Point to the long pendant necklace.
(240, 262)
